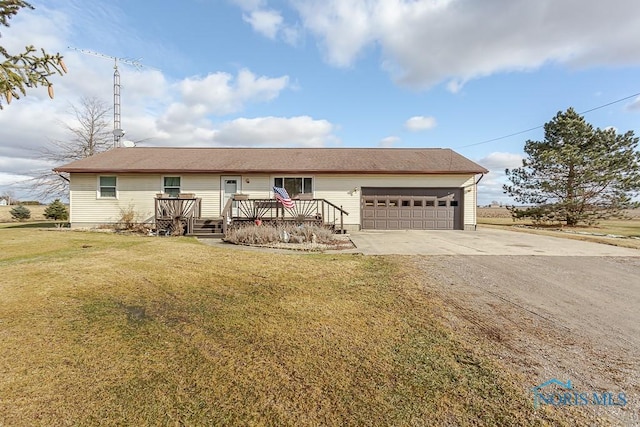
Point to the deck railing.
(177, 215)
(319, 211)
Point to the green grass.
(104, 329)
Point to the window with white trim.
(295, 185)
(171, 185)
(107, 187)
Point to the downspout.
(69, 181)
(475, 202)
(62, 176)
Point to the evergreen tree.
(26, 69)
(56, 211)
(20, 213)
(577, 174)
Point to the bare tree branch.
(89, 134)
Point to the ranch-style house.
(209, 189)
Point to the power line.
(541, 126)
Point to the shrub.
(130, 221)
(274, 233)
(56, 211)
(20, 213)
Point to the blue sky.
(360, 73)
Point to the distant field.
(37, 212)
(504, 213)
(500, 217)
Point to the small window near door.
(442, 203)
(369, 202)
(171, 185)
(453, 203)
(107, 187)
(429, 203)
(406, 203)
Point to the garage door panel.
(411, 208)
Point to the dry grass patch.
(113, 330)
(37, 213)
(629, 229)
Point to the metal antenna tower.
(117, 129)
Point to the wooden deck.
(315, 211)
(182, 216)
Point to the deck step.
(207, 235)
(207, 228)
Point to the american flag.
(283, 197)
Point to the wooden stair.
(207, 228)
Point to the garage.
(411, 208)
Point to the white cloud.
(388, 142)
(426, 42)
(265, 22)
(418, 123)
(275, 131)
(500, 161)
(490, 187)
(268, 22)
(218, 94)
(634, 105)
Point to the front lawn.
(125, 330)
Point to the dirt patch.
(571, 318)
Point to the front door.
(230, 185)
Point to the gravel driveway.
(567, 317)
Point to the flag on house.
(283, 197)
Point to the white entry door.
(230, 185)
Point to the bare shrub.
(287, 233)
(253, 235)
(130, 221)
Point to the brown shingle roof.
(275, 160)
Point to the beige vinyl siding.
(339, 189)
(258, 187)
(470, 201)
(205, 187)
(139, 191)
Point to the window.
(107, 187)
(442, 203)
(406, 203)
(171, 185)
(295, 186)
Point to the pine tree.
(27, 69)
(20, 213)
(56, 211)
(577, 174)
